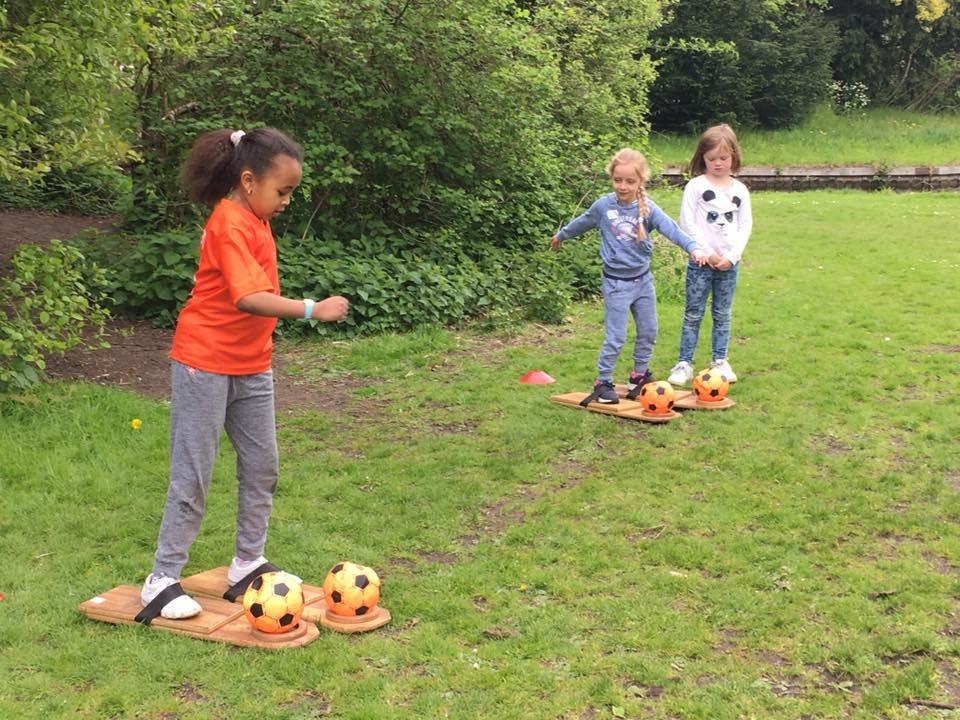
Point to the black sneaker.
(605, 392)
(637, 380)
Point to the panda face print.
(719, 212)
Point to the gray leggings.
(202, 405)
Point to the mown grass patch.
(885, 137)
(793, 557)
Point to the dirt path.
(137, 356)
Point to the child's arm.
(664, 224)
(268, 304)
(744, 228)
(575, 227)
(688, 209)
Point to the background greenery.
(444, 141)
(792, 557)
(883, 137)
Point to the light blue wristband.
(307, 308)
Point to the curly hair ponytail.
(213, 167)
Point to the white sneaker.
(724, 367)
(182, 606)
(681, 374)
(239, 569)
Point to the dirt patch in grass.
(727, 642)
(948, 682)
(188, 693)
(952, 479)
(442, 558)
(835, 681)
(786, 685)
(316, 704)
(938, 348)
(641, 690)
(829, 444)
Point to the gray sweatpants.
(202, 405)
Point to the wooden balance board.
(684, 400)
(219, 621)
(214, 583)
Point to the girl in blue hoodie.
(625, 218)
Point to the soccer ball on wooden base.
(710, 385)
(351, 590)
(273, 602)
(657, 397)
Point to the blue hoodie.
(620, 252)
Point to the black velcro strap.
(241, 587)
(632, 394)
(590, 398)
(152, 609)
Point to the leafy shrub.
(905, 53)
(403, 290)
(53, 295)
(88, 190)
(148, 275)
(769, 68)
(848, 97)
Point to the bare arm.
(333, 309)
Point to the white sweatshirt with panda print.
(717, 218)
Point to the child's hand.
(723, 264)
(698, 257)
(555, 243)
(333, 309)
(714, 260)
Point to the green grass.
(544, 562)
(884, 137)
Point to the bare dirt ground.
(137, 356)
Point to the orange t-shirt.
(238, 257)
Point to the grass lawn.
(882, 136)
(797, 556)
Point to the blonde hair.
(714, 137)
(629, 156)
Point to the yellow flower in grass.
(136, 423)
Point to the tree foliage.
(906, 52)
(747, 63)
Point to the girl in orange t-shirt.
(221, 376)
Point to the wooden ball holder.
(265, 639)
(652, 417)
(379, 617)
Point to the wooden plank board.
(625, 408)
(687, 400)
(219, 621)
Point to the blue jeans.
(622, 298)
(701, 283)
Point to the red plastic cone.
(536, 377)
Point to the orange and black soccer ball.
(273, 602)
(710, 385)
(657, 397)
(351, 589)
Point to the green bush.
(403, 290)
(148, 275)
(52, 297)
(905, 53)
(769, 68)
(86, 190)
